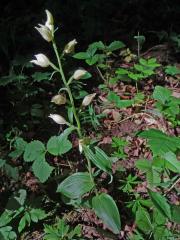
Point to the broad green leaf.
(34, 150)
(175, 212)
(76, 185)
(99, 158)
(42, 170)
(159, 142)
(171, 162)
(115, 45)
(58, 145)
(106, 209)
(160, 203)
(37, 214)
(6, 233)
(162, 94)
(172, 70)
(143, 220)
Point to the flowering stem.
(68, 90)
(60, 70)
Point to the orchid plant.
(76, 185)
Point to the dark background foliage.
(85, 20)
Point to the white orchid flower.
(69, 48)
(45, 32)
(88, 99)
(81, 142)
(58, 119)
(50, 21)
(59, 99)
(78, 74)
(41, 60)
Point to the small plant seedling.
(129, 183)
(145, 68)
(61, 231)
(168, 105)
(118, 144)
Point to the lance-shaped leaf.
(160, 203)
(76, 185)
(143, 220)
(99, 158)
(106, 209)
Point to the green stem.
(68, 90)
(73, 105)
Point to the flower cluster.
(47, 33)
(47, 30)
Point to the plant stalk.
(68, 90)
(73, 105)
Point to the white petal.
(70, 46)
(78, 74)
(88, 99)
(41, 60)
(45, 32)
(58, 119)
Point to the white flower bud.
(69, 48)
(41, 60)
(59, 99)
(45, 32)
(88, 99)
(58, 119)
(78, 74)
(81, 142)
(50, 21)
